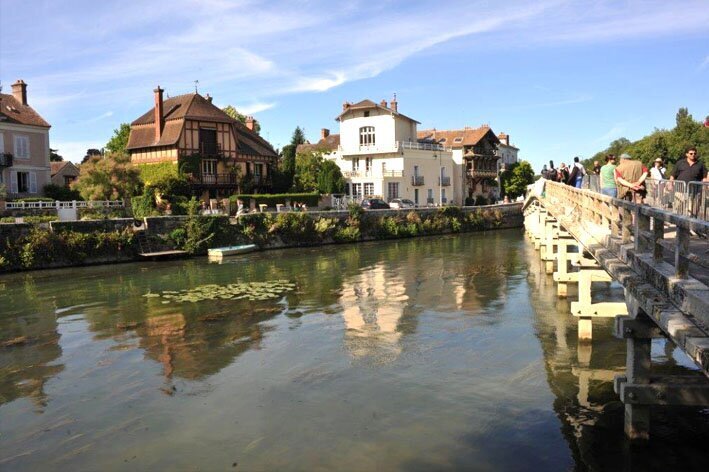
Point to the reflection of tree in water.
(28, 344)
(581, 378)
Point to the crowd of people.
(626, 179)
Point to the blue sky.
(563, 78)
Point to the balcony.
(392, 173)
(5, 159)
(444, 181)
(226, 180)
(420, 146)
(210, 149)
(353, 174)
(416, 180)
(482, 173)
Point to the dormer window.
(458, 140)
(366, 136)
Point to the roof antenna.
(196, 83)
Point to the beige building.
(379, 155)
(64, 173)
(231, 155)
(24, 145)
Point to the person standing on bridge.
(630, 176)
(690, 169)
(577, 173)
(608, 185)
(658, 170)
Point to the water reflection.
(581, 376)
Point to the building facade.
(379, 155)
(24, 145)
(227, 155)
(474, 152)
(64, 173)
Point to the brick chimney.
(345, 106)
(159, 118)
(19, 91)
(383, 103)
(324, 133)
(394, 105)
(505, 138)
(250, 123)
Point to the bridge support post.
(562, 287)
(585, 310)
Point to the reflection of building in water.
(373, 303)
(28, 344)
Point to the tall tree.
(330, 179)
(515, 180)
(108, 178)
(234, 113)
(54, 156)
(91, 153)
(298, 136)
(307, 169)
(119, 140)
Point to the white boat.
(219, 253)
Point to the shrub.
(325, 227)
(347, 234)
(56, 192)
(480, 200)
(355, 210)
(152, 173)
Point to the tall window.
(357, 190)
(416, 171)
(209, 167)
(22, 147)
(393, 188)
(366, 136)
(355, 164)
(369, 188)
(367, 164)
(429, 199)
(26, 182)
(443, 196)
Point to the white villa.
(379, 155)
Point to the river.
(426, 354)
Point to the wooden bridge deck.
(661, 261)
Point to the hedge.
(310, 199)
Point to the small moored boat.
(219, 253)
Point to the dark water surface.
(427, 354)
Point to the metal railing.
(210, 149)
(417, 180)
(215, 179)
(444, 181)
(697, 202)
(420, 146)
(64, 205)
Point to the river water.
(427, 354)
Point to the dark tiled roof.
(329, 144)
(250, 143)
(458, 137)
(58, 166)
(12, 111)
(191, 105)
(369, 105)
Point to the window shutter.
(2, 143)
(13, 181)
(33, 182)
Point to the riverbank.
(66, 244)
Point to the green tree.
(515, 180)
(307, 169)
(54, 157)
(90, 153)
(288, 158)
(111, 177)
(298, 136)
(330, 179)
(119, 140)
(234, 113)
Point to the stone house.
(24, 145)
(64, 173)
(226, 155)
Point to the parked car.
(374, 204)
(402, 203)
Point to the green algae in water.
(252, 291)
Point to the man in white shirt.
(658, 171)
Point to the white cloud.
(255, 107)
(704, 63)
(614, 133)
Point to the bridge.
(659, 258)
